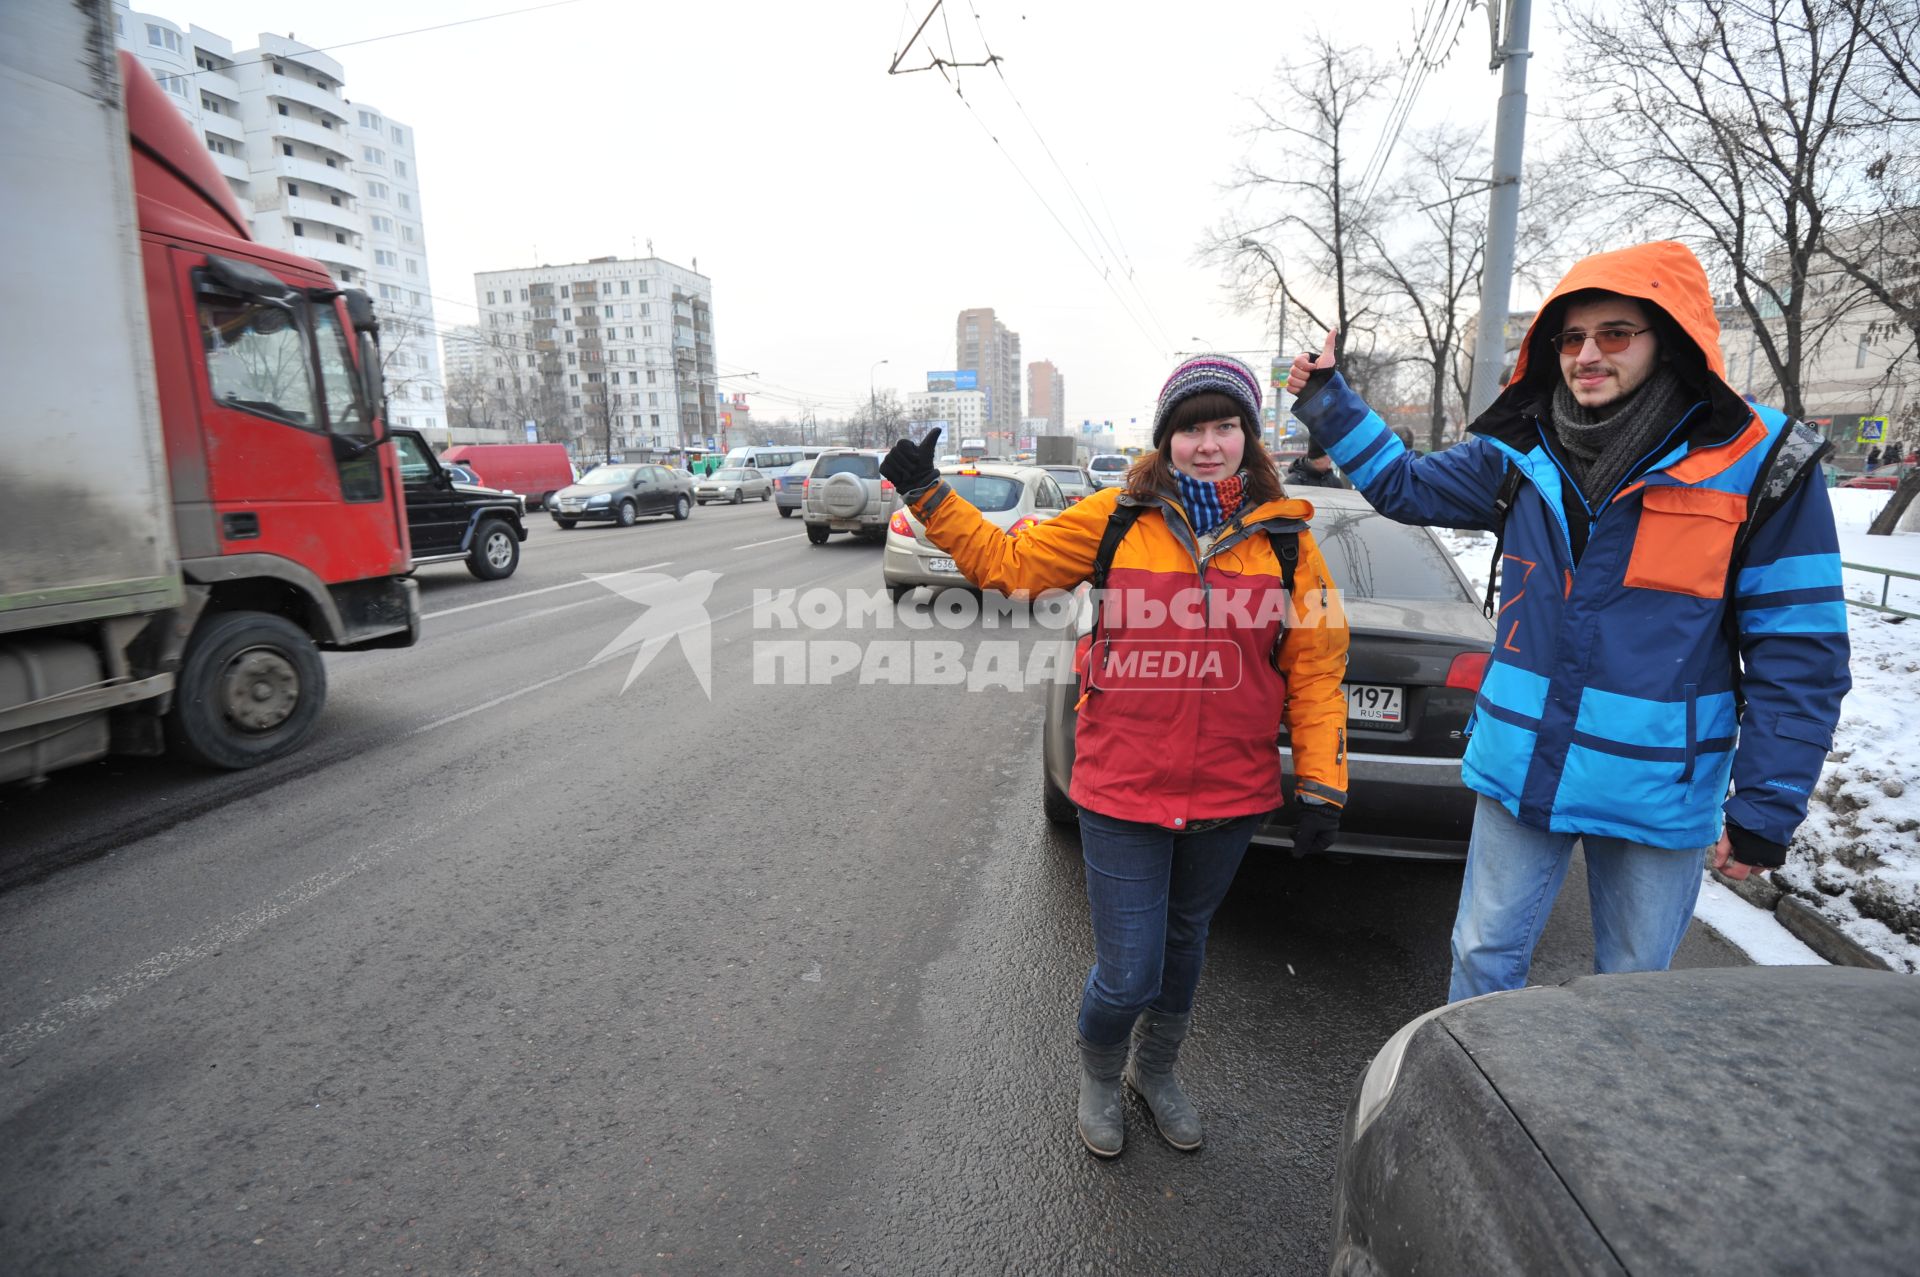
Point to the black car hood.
(1759, 1119)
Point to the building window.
(400, 167)
(653, 399)
(406, 233)
(414, 297)
(565, 290)
(606, 288)
(283, 108)
(573, 379)
(606, 312)
(293, 188)
(299, 229)
(626, 287)
(576, 401)
(382, 224)
(489, 298)
(1860, 355)
(399, 136)
(339, 237)
(368, 120)
(646, 332)
(373, 155)
(413, 267)
(335, 201)
(633, 379)
(286, 148)
(650, 378)
(573, 359)
(406, 201)
(643, 285)
(377, 190)
(646, 308)
(161, 38)
(566, 313)
(656, 420)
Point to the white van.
(770, 458)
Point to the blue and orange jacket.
(1185, 691)
(1610, 704)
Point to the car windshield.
(735, 475)
(1108, 463)
(1372, 557)
(608, 474)
(988, 492)
(848, 463)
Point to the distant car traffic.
(621, 492)
(733, 484)
(845, 493)
(1878, 482)
(1419, 646)
(1727, 1120)
(1109, 469)
(1010, 497)
(1074, 482)
(788, 486)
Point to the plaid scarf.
(1210, 503)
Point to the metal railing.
(1886, 576)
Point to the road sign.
(1872, 430)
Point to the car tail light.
(1026, 521)
(1468, 669)
(898, 524)
(886, 486)
(804, 485)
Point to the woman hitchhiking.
(1195, 662)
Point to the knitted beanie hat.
(1220, 374)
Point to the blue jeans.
(1642, 900)
(1153, 892)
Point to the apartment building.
(1047, 396)
(991, 349)
(961, 413)
(607, 355)
(319, 175)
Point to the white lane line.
(776, 541)
(222, 935)
(545, 589)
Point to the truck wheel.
(496, 551)
(546, 499)
(566, 525)
(680, 508)
(817, 533)
(624, 515)
(250, 690)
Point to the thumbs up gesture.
(1304, 365)
(909, 466)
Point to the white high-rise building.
(607, 355)
(318, 175)
(962, 413)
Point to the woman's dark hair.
(1154, 472)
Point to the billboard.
(958, 379)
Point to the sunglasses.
(1610, 340)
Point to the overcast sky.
(844, 215)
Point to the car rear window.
(1071, 480)
(1108, 463)
(861, 467)
(989, 492)
(1372, 557)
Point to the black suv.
(448, 520)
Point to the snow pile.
(1857, 857)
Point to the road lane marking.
(545, 589)
(222, 935)
(776, 541)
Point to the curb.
(1814, 928)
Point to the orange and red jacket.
(1197, 659)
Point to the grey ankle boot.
(1103, 1119)
(1156, 1045)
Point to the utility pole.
(1510, 54)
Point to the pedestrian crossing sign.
(1872, 430)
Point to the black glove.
(909, 466)
(1313, 828)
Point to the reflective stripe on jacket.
(1183, 703)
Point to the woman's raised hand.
(1303, 365)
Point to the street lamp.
(873, 398)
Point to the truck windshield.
(346, 415)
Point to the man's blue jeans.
(1153, 892)
(1642, 900)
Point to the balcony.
(223, 126)
(298, 170)
(322, 213)
(317, 135)
(294, 90)
(232, 167)
(329, 253)
(218, 83)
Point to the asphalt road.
(513, 970)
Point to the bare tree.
(877, 423)
(1729, 122)
(1300, 184)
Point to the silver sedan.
(733, 485)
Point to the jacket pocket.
(1685, 540)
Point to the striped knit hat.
(1220, 374)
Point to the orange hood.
(1664, 273)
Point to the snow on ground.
(1857, 857)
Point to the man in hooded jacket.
(1671, 619)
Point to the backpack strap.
(1795, 455)
(1119, 522)
(1286, 548)
(1503, 500)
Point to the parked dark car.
(1419, 645)
(1750, 1120)
(621, 491)
(448, 520)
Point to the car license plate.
(941, 565)
(1368, 703)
